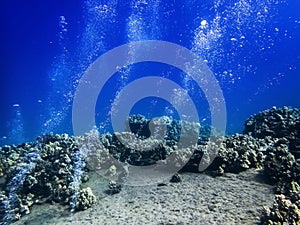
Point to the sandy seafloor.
(198, 199)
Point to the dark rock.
(127, 147)
(138, 124)
(233, 154)
(85, 200)
(283, 211)
(277, 123)
(176, 178)
(280, 164)
(114, 188)
(42, 170)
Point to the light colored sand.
(199, 199)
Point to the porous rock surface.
(278, 123)
(283, 211)
(38, 172)
(232, 154)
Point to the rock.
(114, 188)
(138, 124)
(277, 123)
(233, 154)
(281, 165)
(239, 152)
(45, 170)
(85, 200)
(176, 178)
(127, 147)
(3, 203)
(24, 209)
(283, 211)
(162, 128)
(38, 172)
(161, 184)
(282, 161)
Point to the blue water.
(251, 46)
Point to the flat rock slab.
(198, 199)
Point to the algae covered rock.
(282, 158)
(114, 188)
(129, 148)
(160, 128)
(284, 211)
(280, 164)
(278, 123)
(38, 172)
(147, 141)
(138, 124)
(85, 200)
(3, 204)
(52, 168)
(282, 167)
(233, 154)
(282, 161)
(176, 178)
(241, 152)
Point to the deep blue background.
(32, 48)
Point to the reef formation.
(54, 167)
